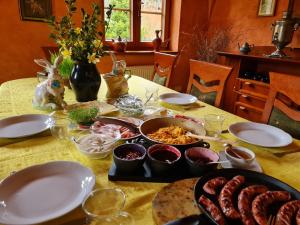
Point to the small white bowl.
(239, 156)
(95, 150)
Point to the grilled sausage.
(211, 185)
(244, 202)
(261, 203)
(286, 212)
(226, 195)
(298, 217)
(213, 210)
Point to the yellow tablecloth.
(16, 97)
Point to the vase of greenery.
(84, 45)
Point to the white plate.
(43, 192)
(254, 166)
(260, 134)
(24, 125)
(178, 98)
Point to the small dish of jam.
(129, 157)
(163, 158)
(198, 159)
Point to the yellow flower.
(79, 43)
(62, 43)
(66, 53)
(92, 58)
(97, 43)
(77, 30)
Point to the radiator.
(142, 71)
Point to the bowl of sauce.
(129, 158)
(198, 159)
(163, 158)
(239, 156)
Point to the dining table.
(16, 99)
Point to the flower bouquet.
(84, 45)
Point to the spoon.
(229, 147)
(148, 99)
(225, 161)
(210, 138)
(199, 162)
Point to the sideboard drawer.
(248, 112)
(255, 88)
(250, 100)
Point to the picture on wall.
(266, 8)
(35, 10)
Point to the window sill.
(141, 52)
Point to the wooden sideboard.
(245, 93)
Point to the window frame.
(136, 43)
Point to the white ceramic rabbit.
(49, 94)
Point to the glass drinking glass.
(59, 128)
(104, 207)
(151, 95)
(213, 124)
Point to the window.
(137, 20)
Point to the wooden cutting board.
(175, 201)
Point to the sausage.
(226, 195)
(211, 185)
(261, 203)
(286, 212)
(298, 217)
(244, 202)
(213, 210)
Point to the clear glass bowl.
(95, 146)
(130, 105)
(104, 206)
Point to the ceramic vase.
(85, 81)
(157, 41)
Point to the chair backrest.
(282, 108)
(207, 81)
(163, 68)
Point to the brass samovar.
(283, 31)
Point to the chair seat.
(281, 120)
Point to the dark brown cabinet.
(247, 87)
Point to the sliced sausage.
(261, 203)
(213, 210)
(211, 186)
(245, 199)
(286, 212)
(226, 197)
(298, 217)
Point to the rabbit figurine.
(49, 94)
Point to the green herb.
(83, 115)
(66, 66)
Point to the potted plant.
(84, 45)
(65, 68)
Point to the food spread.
(253, 202)
(94, 143)
(112, 130)
(171, 135)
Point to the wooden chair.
(207, 81)
(163, 68)
(282, 108)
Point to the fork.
(271, 220)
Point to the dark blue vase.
(85, 81)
